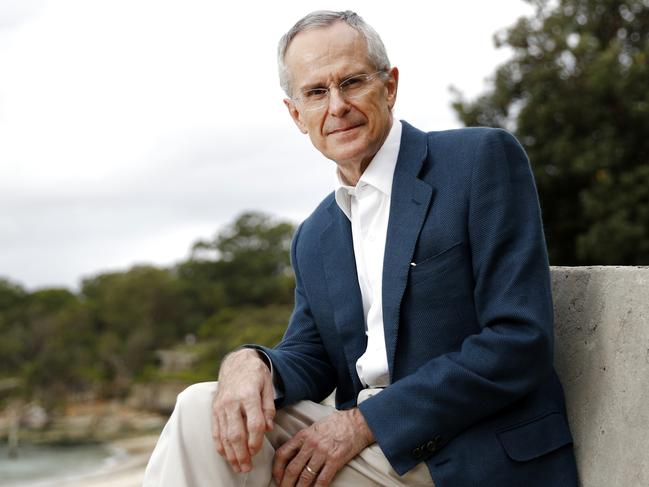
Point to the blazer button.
(433, 445)
(417, 453)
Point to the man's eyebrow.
(311, 86)
(322, 84)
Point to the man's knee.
(197, 395)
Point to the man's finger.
(312, 469)
(268, 404)
(256, 425)
(295, 468)
(238, 438)
(326, 475)
(283, 456)
(216, 434)
(227, 448)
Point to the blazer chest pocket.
(535, 438)
(437, 265)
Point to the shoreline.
(124, 431)
(127, 471)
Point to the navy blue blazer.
(468, 330)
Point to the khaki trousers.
(185, 455)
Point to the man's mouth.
(343, 129)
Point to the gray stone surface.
(602, 356)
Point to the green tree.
(12, 327)
(12, 295)
(57, 343)
(251, 258)
(234, 289)
(232, 327)
(134, 313)
(576, 95)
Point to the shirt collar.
(378, 174)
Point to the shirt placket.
(373, 361)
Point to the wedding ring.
(310, 470)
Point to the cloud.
(186, 190)
(131, 128)
(14, 13)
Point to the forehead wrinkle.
(319, 55)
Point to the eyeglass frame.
(369, 78)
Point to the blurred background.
(150, 182)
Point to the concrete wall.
(602, 356)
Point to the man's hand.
(243, 408)
(325, 447)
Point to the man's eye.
(354, 82)
(315, 93)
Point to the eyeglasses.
(350, 88)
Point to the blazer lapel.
(344, 291)
(410, 200)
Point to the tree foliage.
(235, 288)
(576, 94)
(133, 313)
(253, 253)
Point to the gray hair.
(323, 18)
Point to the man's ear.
(392, 84)
(295, 115)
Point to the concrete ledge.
(602, 356)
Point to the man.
(422, 296)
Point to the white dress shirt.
(367, 205)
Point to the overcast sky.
(131, 128)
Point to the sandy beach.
(128, 472)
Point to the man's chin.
(346, 155)
(348, 141)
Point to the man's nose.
(338, 104)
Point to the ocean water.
(46, 466)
